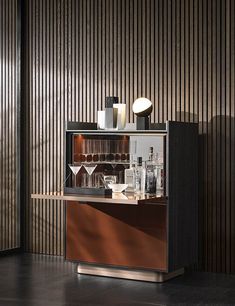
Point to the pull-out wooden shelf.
(115, 198)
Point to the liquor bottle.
(130, 176)
(151, 172)
(151, 154)
(160, 175)
(140, 175)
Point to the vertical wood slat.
(179, 53)
(227, 144)
(232, 135)
(9, 107)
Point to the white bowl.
(118, 187)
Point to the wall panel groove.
(9, 108)
(180, 54)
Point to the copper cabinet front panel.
(119, 235)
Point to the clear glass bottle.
(151, 172)
(130, 175)
(160, 175)
(140, 175)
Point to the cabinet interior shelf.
(103, 163)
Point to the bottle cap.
(139, 161)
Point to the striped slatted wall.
(9, 204)
(179, 53)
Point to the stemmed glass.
(102, 150)
(132, 149)
(107, 150)
(95, 150)
(90, 168)
(75, 168)
(84, 150)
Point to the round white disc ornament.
(142, 107)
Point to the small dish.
(118, 187)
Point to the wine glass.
(95, 150)
(132, 150)
(118, 151)
(107, 150)
(102, 150)
(75, 168)
(90, 168)
(84, 150)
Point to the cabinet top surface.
(115, 198)
(118, 132)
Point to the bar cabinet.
(150, 237)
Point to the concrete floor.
(28, 279)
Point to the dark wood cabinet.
(155, 235)
(136, 236)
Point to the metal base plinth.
(140, 275)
